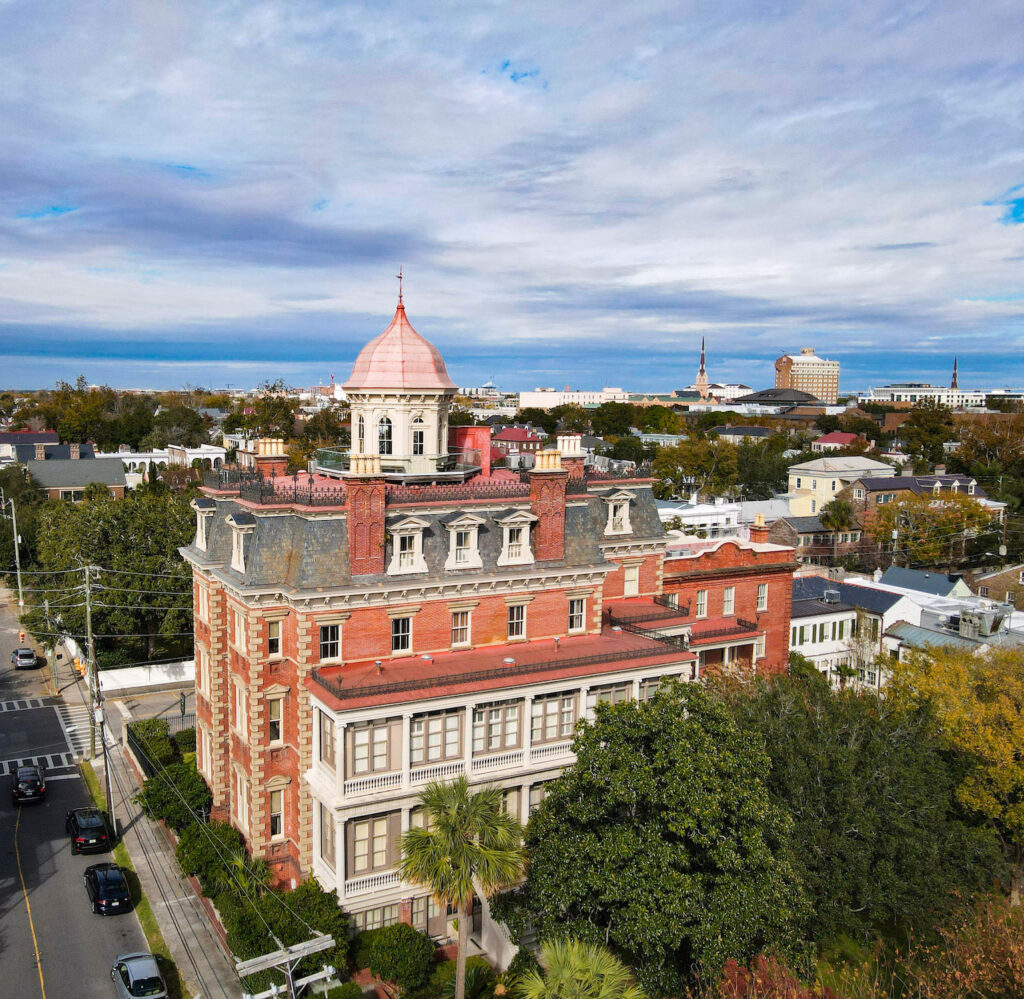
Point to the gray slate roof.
(936, 583)
(57, 473)
(804, 525)
(811, 608)
(920, 638)
(53, 452)
(865, 597)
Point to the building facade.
(806, 372)
(363, 632)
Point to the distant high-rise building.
(806, 372)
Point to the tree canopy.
(662, 841)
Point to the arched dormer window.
(360, 434)
(384, 439)
(418, 436)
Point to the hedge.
(347, 990)
(153, 735)
(176, 794)
(185, 740)
(402, 955)
(203, 851)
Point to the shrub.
(361, 945)
(401, 955)
(205, 850)
(154, 739)
(347, 990)
(480, 978)
(176, 794)
(185, 740)
(521, 964)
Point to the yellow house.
(813, 483)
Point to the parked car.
(24, 658)
(107, 888)
(88, 830)
(137, 975)
(28, 784)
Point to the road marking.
(74, 722)
(48, 761)
(26, 704)
(50, 777)
(28, 906)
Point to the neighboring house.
(936, 584)
(9, 439)
(815, 544)
(66, 478)
(719, 519)
(735, 595)
(869, 491)
(876, 610)
(836, 441)
(814, 483)
(741, 434)
(1003, 584)
(209, 455)
(516, 440)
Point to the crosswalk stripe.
(74, 720)
(24, 704)
(51, 761)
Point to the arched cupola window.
(360, 435)
(418, 436)
(384, 439)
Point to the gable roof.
(842, 465)
(837, 437)
(59, 452)
(516, 434)
(804, 525)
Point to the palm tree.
(835, 516)
(467, 841)
(574, 969)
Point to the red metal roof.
(446, 673)
(837, 437)
(516, 434)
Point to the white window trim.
(238, 533)
(469, 523)
(698, 612)
(762, 590)
(728, 601)
(469, 628)
(277, 699)
(406, 651)
(408, 527)
(522, 519)
(583, 626)
(620, 500)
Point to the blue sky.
(219, 193)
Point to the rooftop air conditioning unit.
(831, 596)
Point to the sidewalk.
(202, 964)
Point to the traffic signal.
(21, 636)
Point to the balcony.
(497, 761)
(455, 466)
(376, 782)
(551, 751)
(372, 882)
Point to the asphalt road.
(76, 948)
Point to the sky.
(216, 194)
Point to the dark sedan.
(107, 888)
(88, 830)
(28, 784)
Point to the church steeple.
(953, 384)
(702, 374)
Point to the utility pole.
(285, 959)
(94, 679)
(17, 544)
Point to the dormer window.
(407, 549)
(618, 513)
(463, 541)
(936, 488)
(515, 548)
(241, 524)
(204, 509)
(970, 488)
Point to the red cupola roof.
(399, 359)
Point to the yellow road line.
(31, 924)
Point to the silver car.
(137, 975)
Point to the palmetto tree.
(573, 969)
(467, 842)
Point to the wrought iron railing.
(267, 492)
(334, 459)
(741, 626)
(457, 492)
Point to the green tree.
(879, 838)
(401, 955)
(176, 425)
(762, 469)
(928, 427)
(572, 418)
(662, 842)
(658, 420)
(613, 418)
(19, 486)
(542, 418)
(701, 465)
(978, 699)
(578, 969)
(468, 842)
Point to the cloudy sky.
(219, 193)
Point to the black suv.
(107, 888)
(88, 830)
(28, 784)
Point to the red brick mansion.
(404, 613)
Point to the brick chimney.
(572, 454)
(759, 530)
(40, 452)
(269, 457)
(547, 500)
(366, 499)
(76, 451)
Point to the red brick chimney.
(547, 499)
(366, 499)
(572, 455)
(759, 530)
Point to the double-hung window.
(327, 754)
(463, 547)
(436, 737)
(553, 717)
(327, 849)
(762, 596)
(496, 727)
(370, 748)
(275, 720)
(406, 551)
(330, 641)
(729, 600)
(702, 603)
(370, 845)
(517, 621)
(401, 634)
(276, 814)
(515, 542)
(274, 638)
(577, 614)
(460, 628)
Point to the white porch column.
(467, 744)
(339, 855)
(406, 747)
(527, 727)
(339, 757)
